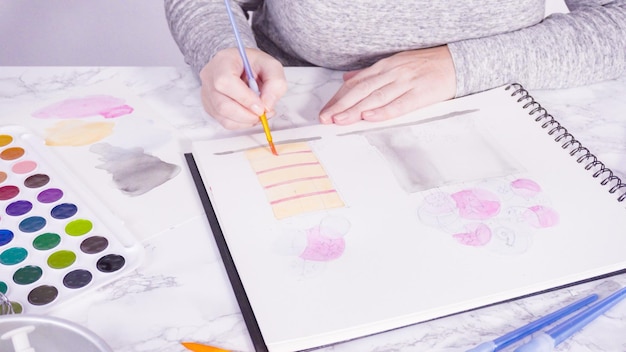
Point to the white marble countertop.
(180, 291)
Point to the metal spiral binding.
(569, 142)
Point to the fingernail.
(257, 109)
(325, 118)
(340, 117)
(270, 101)
(367, 114)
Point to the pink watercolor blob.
(94, 105)
(321, 248)
(525, 187)
(476, 204)
(540, 216)
(477, 235)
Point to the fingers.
(227, 97)
(399, 106)
(350, 74)
(357, 86)
(229, 113)
(273, 85)
(393, 87)
(361, 91)
(356, 100)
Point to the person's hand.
(393, 86)
(227, 97)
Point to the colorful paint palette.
(56, 240)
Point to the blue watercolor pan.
(57, 241)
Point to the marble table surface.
(180, 291)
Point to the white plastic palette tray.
(56, 240)
(47, 334)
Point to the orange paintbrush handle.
(198, 347)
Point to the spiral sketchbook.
(356, 230)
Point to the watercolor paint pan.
(57, 241)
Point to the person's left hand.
(393, 87)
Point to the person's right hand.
(227, 97)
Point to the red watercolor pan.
(57, 241)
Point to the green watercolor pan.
(57, 241)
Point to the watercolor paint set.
(57, 241)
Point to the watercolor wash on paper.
(79, 123)
(468, 191)
(465, 185)
(294, 181)
(312, 248)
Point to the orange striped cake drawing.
(294, 181)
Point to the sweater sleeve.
(586, 45)
(201, 28)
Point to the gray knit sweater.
(492, 42)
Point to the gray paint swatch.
(134, 172)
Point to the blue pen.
(520, 333)
(551, 338)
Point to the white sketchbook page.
(405, 257)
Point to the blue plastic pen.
(520, 333)
(551, 338)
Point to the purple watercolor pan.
(56, 240)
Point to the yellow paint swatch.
(77, 133)
(294, 181)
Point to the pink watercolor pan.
(57, 241)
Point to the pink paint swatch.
(514, 219)
(540, 216)
(476, 204)
(321, 248)
(525, 187)
(477, 235)
(94, 105)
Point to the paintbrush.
(198, 347)
(6, 307)
(251, 81)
